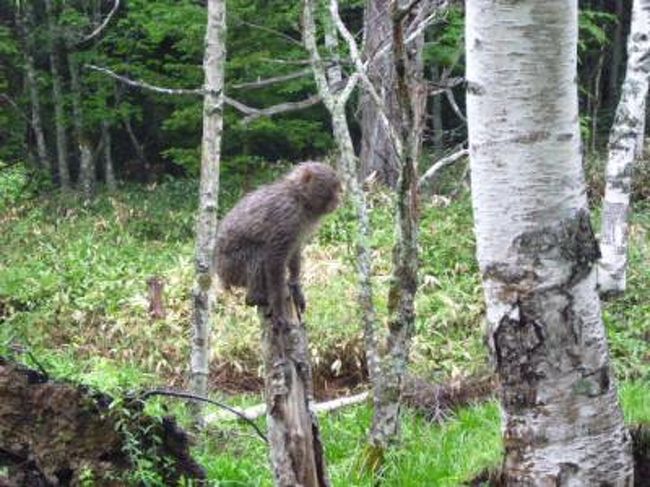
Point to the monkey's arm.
(294, 280)
(278, 253)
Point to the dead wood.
(437, 401)
(57, 433)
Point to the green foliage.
(447, 39)
(594, 25)
(72, 289)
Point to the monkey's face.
(323, 188)
(320, 186)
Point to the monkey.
(265, 231)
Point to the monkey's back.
(262, 221)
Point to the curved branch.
(253, 113)
(438, 165)
(147, 86)
(270, 81)
(186, 395)
(452, 101)
(103, 25)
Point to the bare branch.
(441, 86)
(318, 66)
(267, 29)
(254, 113)
(438, 165)
(186, 395)
(363, 75)
(15, 106)
(414, 30)
(146, 86)
(405, 10)
(270, 81)
(257, 411)
(251, 112)
(103, 25)
(454, 105)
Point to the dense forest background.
(161, 43)
(101, 113)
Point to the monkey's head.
(319, 186)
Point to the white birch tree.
(206, 228)
(625, 145)
(562, 424)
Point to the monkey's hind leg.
(257, 294)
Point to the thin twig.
(186, 395)
(254, 412)
(273, 80)
(438, 165)
(263, 28)
(15, 106)
(148, 86)
(452, 101)
(103, 25)
(251, 112)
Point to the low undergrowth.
(73, 294)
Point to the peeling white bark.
(213, 65)
(625, 144)
(562, 424)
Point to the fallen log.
(59, 433)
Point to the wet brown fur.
(264, 233)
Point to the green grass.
(428, 454)
(73, 292)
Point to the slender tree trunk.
(109, 167)
(86, 166)
(57, 99)
(562, 424)
(626, 132)
(139, 149)
(377, 152)
(335, 104)
(617, 51)
(37, 123)
(436, 113)
(596, 100)
(401, 297)
(213, 65)
(25, 26)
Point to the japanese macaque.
(264, 233)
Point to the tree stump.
(296, 451)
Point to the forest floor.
(73, 293)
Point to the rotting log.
(57, 433)
(297, 456)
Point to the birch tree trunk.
(335, 104)
(213, 65)
(57, 99)
(86, 165)
(109, 167)
(626, 132)
(562, 424)
(25, 26)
